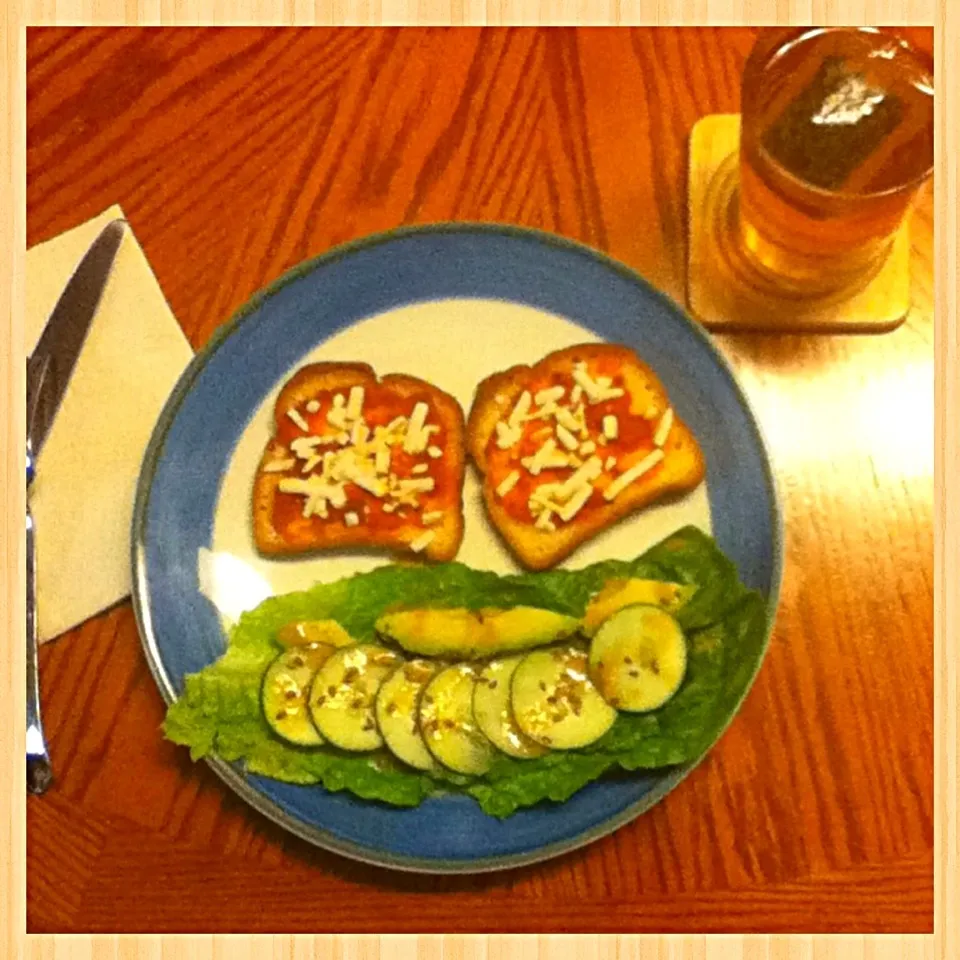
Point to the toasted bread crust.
(314, 377)
(317, 378)
(494, 398)
(682, 468)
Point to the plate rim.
(228, 772)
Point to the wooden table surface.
(237, 153)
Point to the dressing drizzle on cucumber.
(286, 685)
(554, 701)
(343, 693)
(398, 712)
(493, 710)
(638, 658)
(448, 725)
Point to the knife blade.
(52, 362)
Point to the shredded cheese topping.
(567, 438)
(278, 466)
(663, 428)
(294, 414)
(508, 483)
(423, 541)
(354, 453)
(565, 442)
(634, 473)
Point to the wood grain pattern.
(237, 153)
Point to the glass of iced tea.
(836, 139)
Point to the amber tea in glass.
(836, 137)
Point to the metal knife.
(49, 369)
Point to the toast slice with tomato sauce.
(571, 445)
(361, 461)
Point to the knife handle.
(39, 774)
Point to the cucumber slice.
(447, 723)
(554, 701)
(344, 691)
(618, 594)
(398, 712)
(301, 633)
(493, 713)
(638, 658)
(286, 685)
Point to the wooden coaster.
(720, 297)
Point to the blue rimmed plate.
(451, 304)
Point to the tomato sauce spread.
(348, 451)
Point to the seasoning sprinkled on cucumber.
(286, 685)
(493, 711)
(343, 694)
(398, 712)
(554, 701)
(638, 658)
(448, 725)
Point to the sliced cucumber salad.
(627, 653)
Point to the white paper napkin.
(82, 496)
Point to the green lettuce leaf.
(219, 710)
